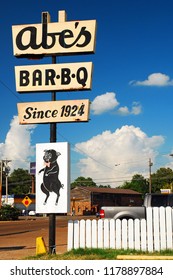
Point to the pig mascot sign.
(52, 178)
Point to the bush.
(9, 213)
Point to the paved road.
(18, 238)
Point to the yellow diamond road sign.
(26, 201)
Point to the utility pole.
(150, 184)
(4, 167)
(7, 170)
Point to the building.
(89, 200)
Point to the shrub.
(9, 213)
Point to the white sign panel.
(54, 111)
(54, 77)
(58, 38)
(52, 178)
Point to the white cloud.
(17, 146)
(103, 103)
(155, 79)
(129, 147)
(108, 101)
(123, 111)
(135, 110)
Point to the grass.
(96, 254)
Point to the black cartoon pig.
(51, 182)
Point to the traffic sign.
(26, 201)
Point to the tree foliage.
(83, 182)
(19, 182)
(9, 213)
(86, 182)
(138, 184)
(162, 179)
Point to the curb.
(143, 257)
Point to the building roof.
(106, 190)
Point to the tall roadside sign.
(58, 77)
(53, 39)
(58, 38)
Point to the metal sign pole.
(52, 217)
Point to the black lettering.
(87, 37)
(68, 34)
(45, 36)
(24, 78)
(37, 78)
(12, 272)
(65, 76)
(31, 33)
(54, 113)
(49, 39)
(50, 75)
(82, 76)
(28, 113)
(63, 35)
(33, 113)
(48, 114)
(38, 114)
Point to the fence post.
(76, 234)
(149, 228)
(70, 237)
(100, 233)
(94, 233)
(143, 231)
(112, 233)
(156, 229)
(162, 229)
(169, 227)
(137, 234)
(88, 233)
(82, 235)
(118, 234)
(131, 234)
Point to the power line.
(10, 90)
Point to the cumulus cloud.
(108, 102)
(103, 103)
(17, 146)
(135, 110)
(155, 79)
(128, 147)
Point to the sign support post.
(52, 217)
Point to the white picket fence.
(154, 233)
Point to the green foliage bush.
(9, 213)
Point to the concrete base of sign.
(40, 246)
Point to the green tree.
(162, 179)
(138, 184)
(102, 186)
(83, 182)
(19, 182)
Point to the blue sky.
(132, 89)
